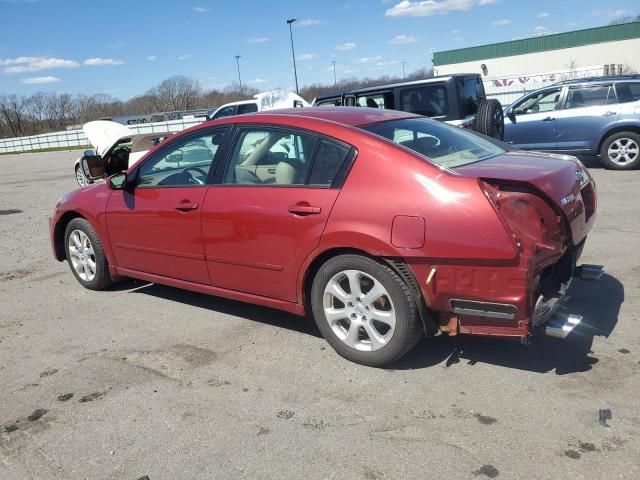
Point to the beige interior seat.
(286, 173)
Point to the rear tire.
(85, 255)
(621, 151)
(365, 310)
(490, 119)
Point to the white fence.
(508, 89)
(77, 138)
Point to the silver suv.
(595, 116)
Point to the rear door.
(257, 230)
(530, 123)
(155, 227)
(588, 111)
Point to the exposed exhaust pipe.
(561, 325)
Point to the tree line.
(42, 112)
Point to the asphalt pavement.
(150, 380)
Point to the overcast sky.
(125, 47)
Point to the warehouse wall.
(624, 52)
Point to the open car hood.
(102, 134)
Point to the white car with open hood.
(116, 148)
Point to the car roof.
(618, 78)
(351, 116)
(386, 86)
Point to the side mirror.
(511, 114)
(92, 166)
(118, 181)
(89, 153)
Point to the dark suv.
(456, 99)
(594, 116)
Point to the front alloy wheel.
(85, 255)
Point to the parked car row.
(301, 210)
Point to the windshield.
(443, 144)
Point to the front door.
(588, 111)
(258, 228)
(531, 122)
(155, 226)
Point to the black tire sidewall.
(102, 278)
(404, 336)
(604, 151)
(484, 118)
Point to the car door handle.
(186, 206)
(608, 114)
(304, 209)
(548, 119)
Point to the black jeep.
(456, 99)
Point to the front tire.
(365, 310)
(621, 151)
(80, 178)
(85, 255)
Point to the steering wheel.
(202, 173)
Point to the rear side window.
(590, 96)
(471, 94)
(427, 100)
(328, 161)
(376, 100)
(628, 91)
(247, 108)
(265, 156)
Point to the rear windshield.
(443, 144)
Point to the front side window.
(590, 96)
(225, 112)
(540, 102)
(186, 162)
(427, 100)
(443, 144)
(270, 156)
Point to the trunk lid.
(562, 179)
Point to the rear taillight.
(533, 222)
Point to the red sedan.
(384, 225)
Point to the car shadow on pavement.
(599, 304)
(255, 313)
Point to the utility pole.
(293, 53)
(335, 80)
(404, 75)
(239, 79)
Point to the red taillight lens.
(529, 217)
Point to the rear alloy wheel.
(86, 256)
(621, 151)
(490, 119)
(364, 310)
